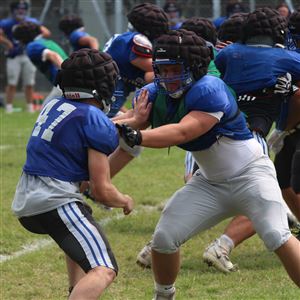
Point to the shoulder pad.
(142, 46)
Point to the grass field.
(150, 179)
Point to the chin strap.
(77, 94)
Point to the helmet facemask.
(179, 75)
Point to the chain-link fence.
(103, 18)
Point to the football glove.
(131, 136)
(284, 86)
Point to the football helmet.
(89, 73)
(184, 54)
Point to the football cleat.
(217, 256)
(164, 296)
(144, 259)
(294, 225)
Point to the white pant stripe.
(189, 163)
(86, 234)
(261, 141)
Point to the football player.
(132, 50)
(197, 112)
(45, 54)
(72, 26)
(70, 143)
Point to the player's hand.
(284, 85)
(131, 136)
(127, 209)
(142, 107)
(220, 45)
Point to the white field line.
(43, 243)
(5, 147)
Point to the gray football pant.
(201, 204)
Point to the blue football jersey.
(248, 68)
(74, 38)
(35, 51)
(209, 94)
(64, 130)
(120, 48)
(7, 26)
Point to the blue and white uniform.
(57, 161)
(37, 51)
(234, 176)
(7, 26)
(17, 62)
(121, 48)
(252, 71)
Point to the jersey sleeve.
(35, 51)
(2, 25)
(152, 92)
(220, 60)
(291, 64)
(33, 20)
(76, 35)
(100, 132)
(210, 97)
(142, 46)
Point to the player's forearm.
(164, 136)
(108, 194)
(5, 42)
(118, 160)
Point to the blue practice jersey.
(209, 94)
(64, 130)
(35, 51)
(7, 26)
(120, 48)
(176, 26)
(248, 68)
(74, 38)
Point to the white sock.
(165, 289)
(226, 242)
(30, 107)
(9, 107)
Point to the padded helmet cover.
(26, 31)
(265, 22)
(202, 27)
(184, 46)
(69, 23)
(294, 22)
(89, 69)
(232, 28)
(149, 19)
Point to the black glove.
(131, 136)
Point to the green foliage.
(150, 179)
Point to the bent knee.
(105, 273)
(163, 242)
(274, 239)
